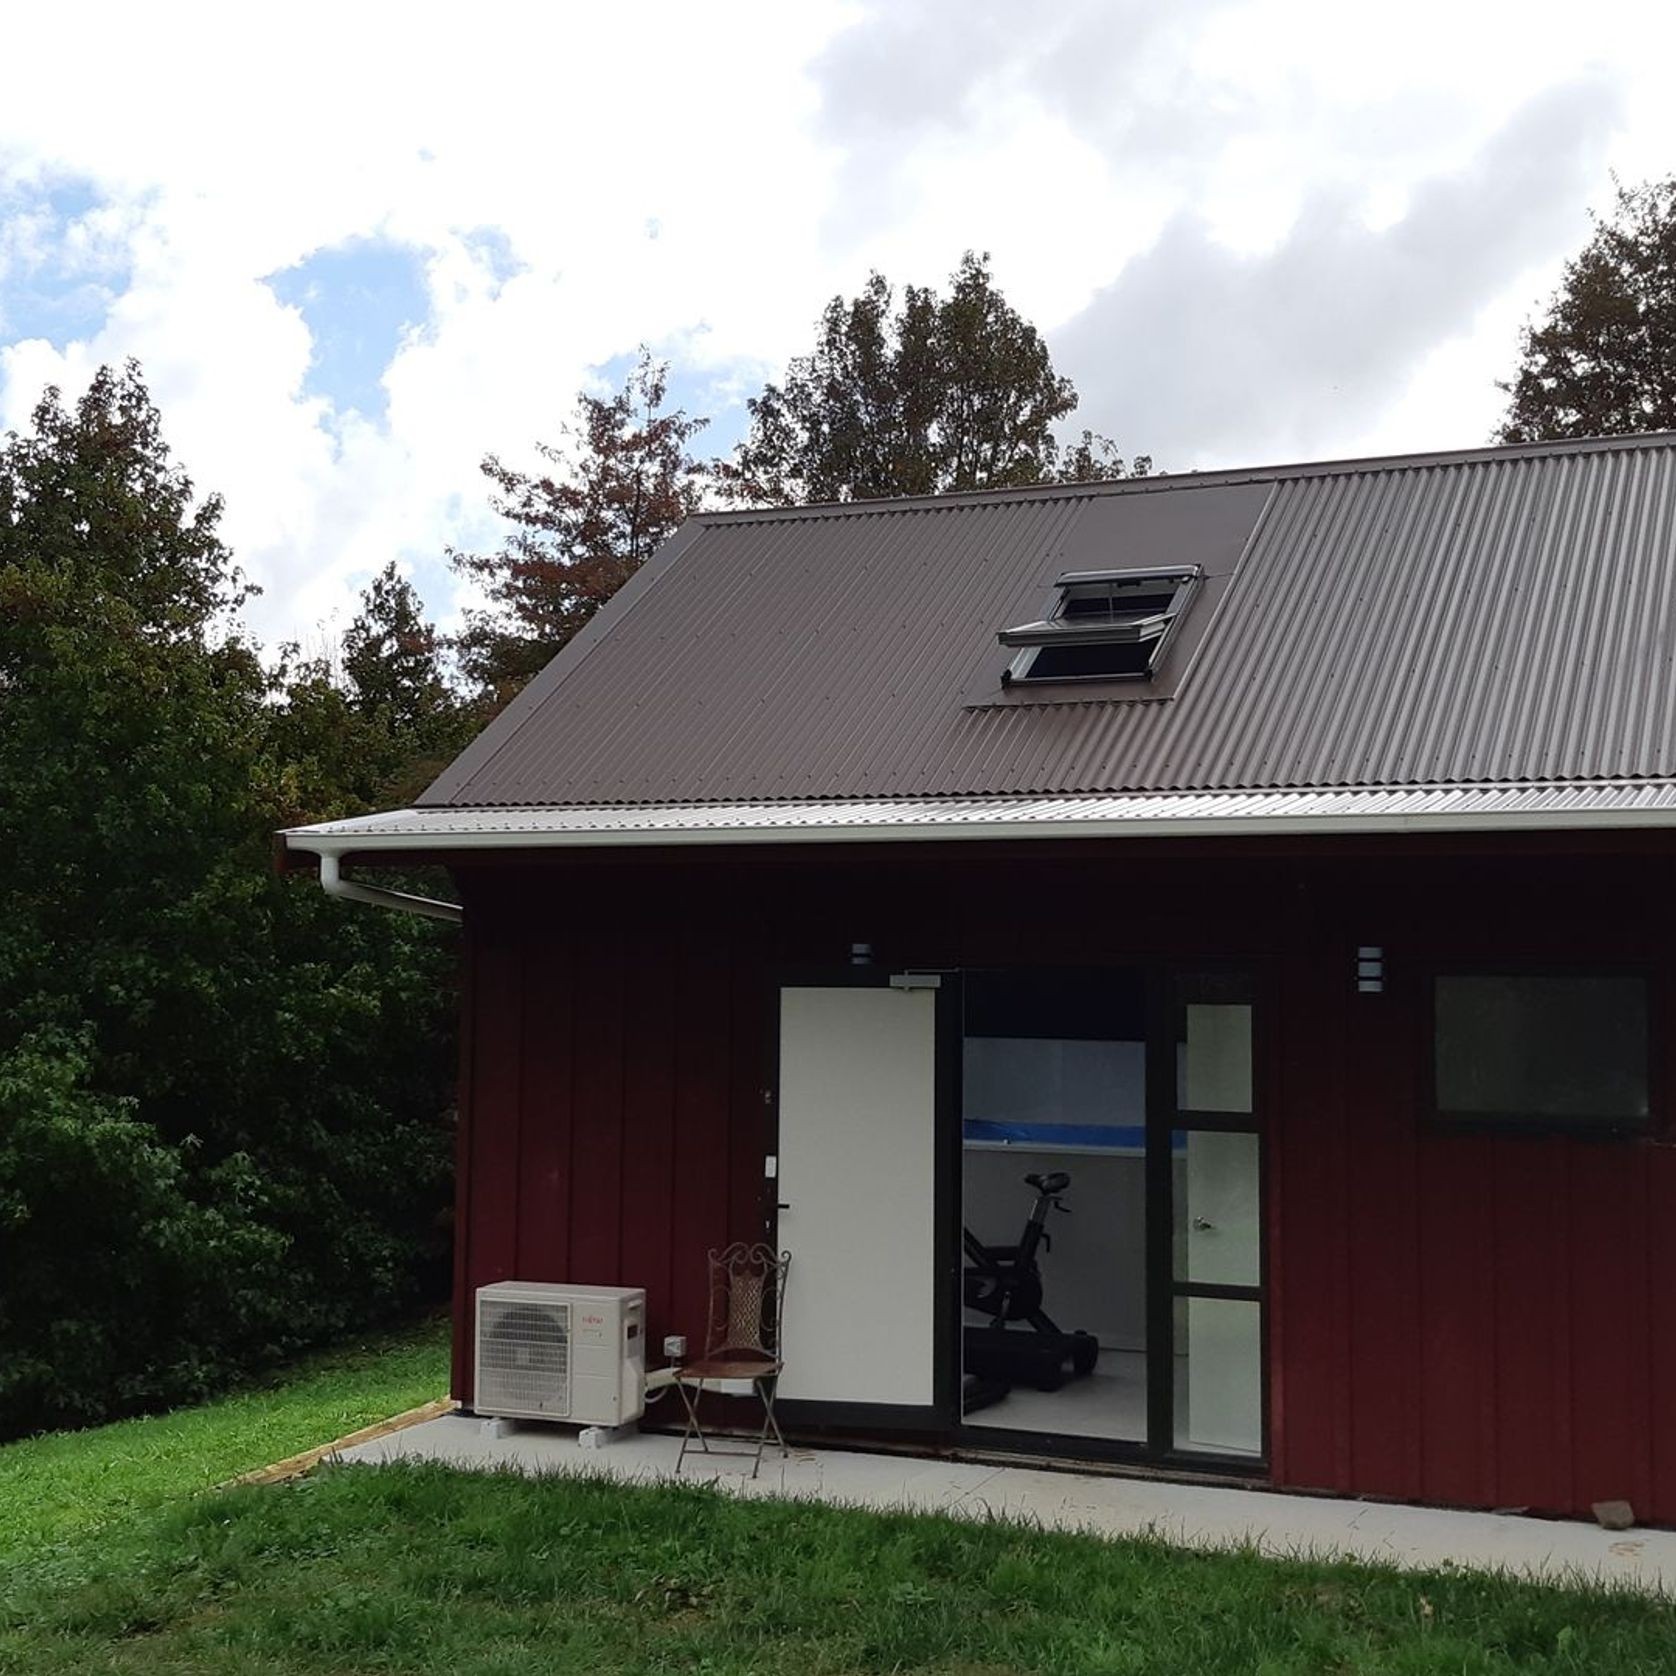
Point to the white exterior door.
(857, 1182)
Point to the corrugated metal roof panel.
(1506, 615)
(1416, 808)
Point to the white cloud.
(1203, 356)
(703, 179)
(230, 151)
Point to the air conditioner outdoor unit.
(548, 1352)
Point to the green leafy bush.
(117, 1276)
(224, 1099)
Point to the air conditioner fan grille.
(523, 1360)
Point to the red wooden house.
(1284, 856)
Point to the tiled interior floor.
(1109, 1403)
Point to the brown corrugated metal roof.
(1499, 615)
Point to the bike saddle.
(1055, 1183)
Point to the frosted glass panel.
(1216, 1062)
(1223, 1373)
(1218, 1214)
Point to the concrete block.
(596, 1437)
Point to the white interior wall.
(1031, 1079)
(1095, 1276)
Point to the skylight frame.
(1061, 629)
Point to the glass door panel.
(1222, 1377)
(1215, 1185)
(1215, 1057)
(1054, 1204)
(1218, 1207)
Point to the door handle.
(1203, 1225)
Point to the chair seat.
(729, 1365)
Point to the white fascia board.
(406, 830)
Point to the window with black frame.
(1541, 1050)
(1106, 625)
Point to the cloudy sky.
(356, 246)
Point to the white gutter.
(621, 830)
(334, 884)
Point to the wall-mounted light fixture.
(1370, 969)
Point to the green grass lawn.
(61, 1491)
(417, 1569)
(113, 1560)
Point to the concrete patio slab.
(1192, 1515)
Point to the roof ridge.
(1165, 482)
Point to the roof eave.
(317, 841)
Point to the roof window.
(1107, 625)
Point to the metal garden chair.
(741, 1343)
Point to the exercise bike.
(1025, 1346)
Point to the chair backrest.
(747, 1296)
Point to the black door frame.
(1166, 1118)
(1163, 1119)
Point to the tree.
(224, 1101)
(128, 722)
(937, 394)
(373, 724)
(1093, 458)
(623, 480)
(1603, 362)
(392, 660)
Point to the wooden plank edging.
(294, 1466)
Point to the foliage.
(372, 727)
(937, 394)
(622, 481)
(122, 1279)
(1603, 362)
(421, 1568)
(1093, 458)
(270, 1071)
(63, 1496)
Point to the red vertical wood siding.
(600, 1008)
(545, 1156)
(1382, 1288)
(1532, 1326)
(1661, 1266)
(645, 1248)
(1478, 1319)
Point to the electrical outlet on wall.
(675, 1346)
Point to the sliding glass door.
(1054, 1207)
(1134, 1323)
